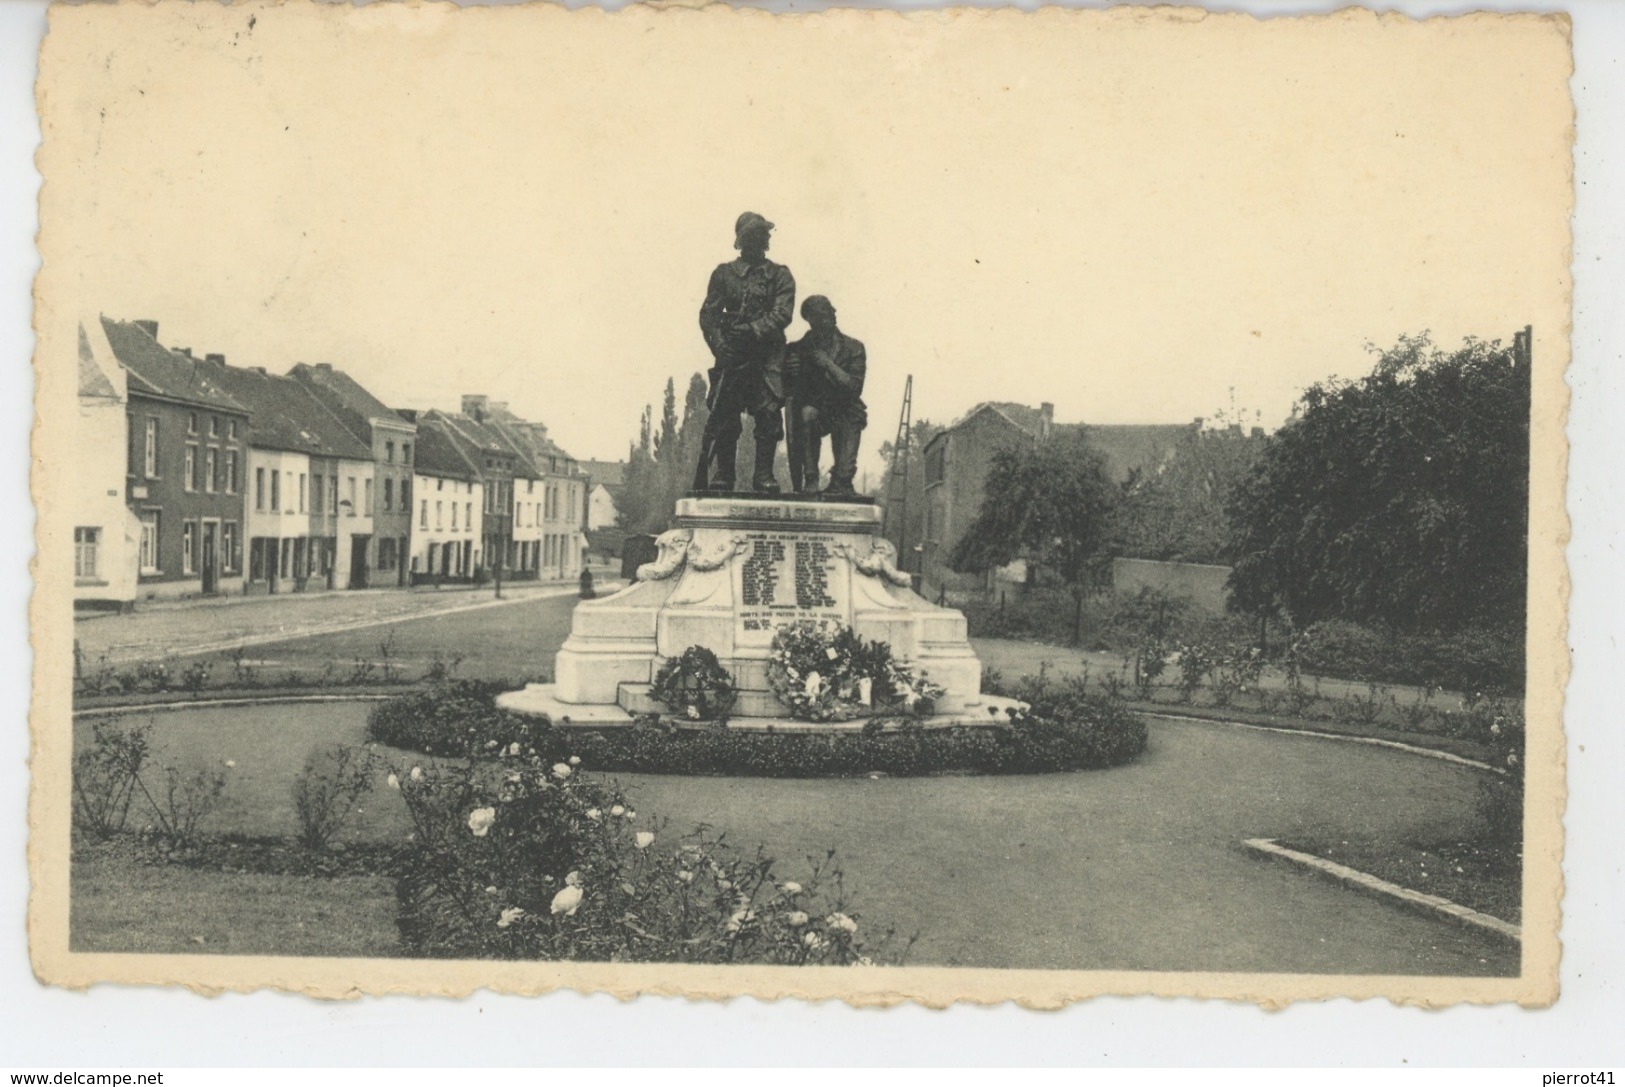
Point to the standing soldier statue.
(748, 305)
(826, 369)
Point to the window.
(231, 430)
(85, 541)
(386, 554)
(367, 484)
(333, 495)
(439, 514)
(406, 452)
(530, 486)
(191, 422)
(189, 469)
(389, 494)
(149, 541)
(318, 492)
(259, 488)
(406, 495)
(276, 492)
(453, 516)
(214, 426)
(440, 485)
(302, 506)
(389, 452)
(151, 456)
(352, 496)
(468, 514)
(211, 470)
(228, 546)
(189, 548)
(231, 471)
(423, 515)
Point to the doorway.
(358, 561)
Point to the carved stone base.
(733, 572)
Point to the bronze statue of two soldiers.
(817, 381)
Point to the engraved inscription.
(787, 576)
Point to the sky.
(1136, 219)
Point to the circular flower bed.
(822, 671)
(695, 685)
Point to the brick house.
(958, 458)
(550, 503)
(186, 453)
(392, 440)
(448, 523)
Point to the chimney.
(258, 370)
(1046, 419)
(149, 327)
(187, 351)
(325, 367)
(217, 359)
(499, 409)
(474, 405)
(409, 414)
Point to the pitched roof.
(439, 452)
(476, 439)
(93, 380)
(347, 397)
(286, 415)
(157, 371)
(1134, 447)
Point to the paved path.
(1141, 867)
(224, 623)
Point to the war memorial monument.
(739, 566)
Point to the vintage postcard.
(959, 506)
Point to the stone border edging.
(216, 703)
(1366, 882)
(1411, 749)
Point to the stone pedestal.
(731, 573)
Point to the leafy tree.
(1180, 513)
(1052, 504)
(1398, 499)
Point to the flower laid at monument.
(823, 671)
(695, 686)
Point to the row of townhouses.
(207, 478)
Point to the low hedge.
(1474, 661)
(1065, 729)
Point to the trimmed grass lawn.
(121, 906)
(1137, 867)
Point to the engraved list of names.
(785, 577)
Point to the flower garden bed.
(1061, 730)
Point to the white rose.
(509, 916)
(513, 748)
(842, 922)
(560, 770)
(480, 820)
(797, 918)
(790, 887)
(617, 811)
(645, 839)
(693, 713)
(813, 940)
(594, 814)
(417, 773)
(575, 760)
(573, 879)
(393, 782)
(686, 876)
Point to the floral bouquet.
(822, 671)
(695, 685)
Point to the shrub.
(1501, 796)
(513, 858)
(1065, 728)
(695, 685)
(106, 776)
(326, 790)
(187, 797)
(455, 718)
(1469, 661)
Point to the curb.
(346, 626)
(1395, 745)
(210, 703)
(1364, 881)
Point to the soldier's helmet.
(749, 221)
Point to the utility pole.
(897, 479)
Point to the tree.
(1052, 504)
(1180, 512)
(1399, 499)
